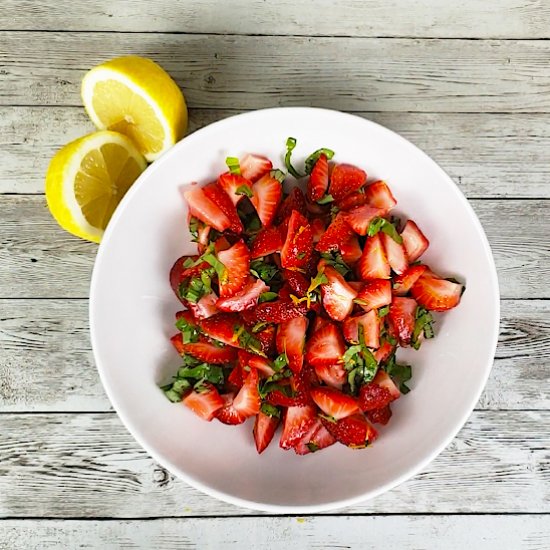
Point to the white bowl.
(132, 316)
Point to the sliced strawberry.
(228, 414)
(325, 346)
(414, 241)
(249, 360)
(375, 294)
(235, 186)
(267, 196)
(222, 327)
(371, 329)
(178, 274)
(318, 323)
(266, 337)
(372, 396)
(332, 375)
(346, 179)
(318, 180)
(268, 241)
(317, 228)
(379, 195)
(373, 263)
(351, 251)
(296, 251)
(404, 282)
(205, 210)
(205, 307)
(235, 378)
(360, 217)
(383, 352)
(316, 438)
(395, 253)
(177, 342)
(291, 339)
(278, 311)
(436, 294)
(337, 233)
(247, 402)
(236, 261)
(384, 380)
(353, 431)
(402, 318)
(380, 416)
(357, 198)
(245, 298)
(220, 198)
(264, 429)
(296, 281)
(298, 420)
(204, 403)
(187, 315)
(294, 201)
(203, 234)
(253, 167)
(210, 353)
(333, 402)
(337, 295)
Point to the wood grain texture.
(88, 465)
(33, 249)
(46, 363)
(248, 72)
(526, 532)
(488, 155)
(425, 18)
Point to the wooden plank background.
(468, 82)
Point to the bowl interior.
(132, 310)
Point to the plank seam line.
(256, 515)
(282, 36)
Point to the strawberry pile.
(295, 304)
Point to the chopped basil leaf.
(193, 290)
(260, 325)
(188, 263)
(216, 264)
(301, 255)
(194, 227)
(248, 341)
(423, 324)
(326, 199)
(360, 363)
(270, 385)
(244, 190)
(383, 311)
(400, 374)
(335, 260)
(172, 395)
(204, 371)
(233, 165)
(280, 362)
(314, 157)
(251, 222)
(312, 446)
(381, 224)
(189, 332)
(290, 144)
(267, 297)
(270, 410)
(264, 271)
(277, 174)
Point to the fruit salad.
(296, 303)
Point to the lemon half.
(136, 97)
(87, 178)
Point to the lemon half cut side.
(136, 97)
(87, 178)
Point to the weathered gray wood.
(88, 465)
(247, 72)
(525, 532)
(427, 18)
(517, 230)
(46, 362)
(488, 155)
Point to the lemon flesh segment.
(88, 178)
(134, 96)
